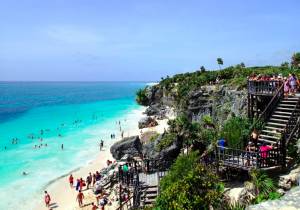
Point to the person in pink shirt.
(264, 153)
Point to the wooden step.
(276, 119)
(292, 98)
(283, 113)
(286, 105)
(268, 141)
(274, 128)
(287, 109)
(282, 116)
(287, 101)
(270, 137)
(149, 201)
(276, 124)
(270, 131)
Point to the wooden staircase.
(149, 194)
(275, 126)
(281, 118)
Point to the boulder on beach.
(146, 122)
(129, 145)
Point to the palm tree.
(243, 65)
(285, 64)
(220, 62)
(202, 69)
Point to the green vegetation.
(220, 62)
(190, 133)
(296, 60)
(166, 141)
(141, 97)
(189, 185)
(264, 187)
(154, 137)
(236, 131)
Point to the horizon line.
(73, 81)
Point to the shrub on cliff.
(236, 131)
(189, 185)
(264, 186)
(141, 97)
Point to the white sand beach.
(63, 197)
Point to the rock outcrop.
(146, 122)
(130, 145)
(166, 156)
(290, 201)
(218, 101)
(288, 180)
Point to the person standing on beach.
(94, 179)
(71, 180)
(77, 184)
(101, 144)
(94, 207)
(47, 199)
(80, 198)
(88, 181)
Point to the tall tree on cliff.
(202, 69)
(243, 65)
(296, 60)
(220, 62)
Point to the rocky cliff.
(218, 101)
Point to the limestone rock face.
(166, 156)
(146, 122)
(290, 201)
(130, 145)
(288, 180)
(218, 101)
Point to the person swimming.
(24, 173)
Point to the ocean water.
(75, 114)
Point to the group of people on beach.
(90, 181)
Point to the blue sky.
(140, 40)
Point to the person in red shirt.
(71, 180)
(47, 199)
(81, 184)
(80, 198)
(94, 207)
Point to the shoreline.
(63, 197)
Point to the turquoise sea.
(75, 114)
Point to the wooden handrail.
(279, 93)
(289, 130)
(240, 158)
